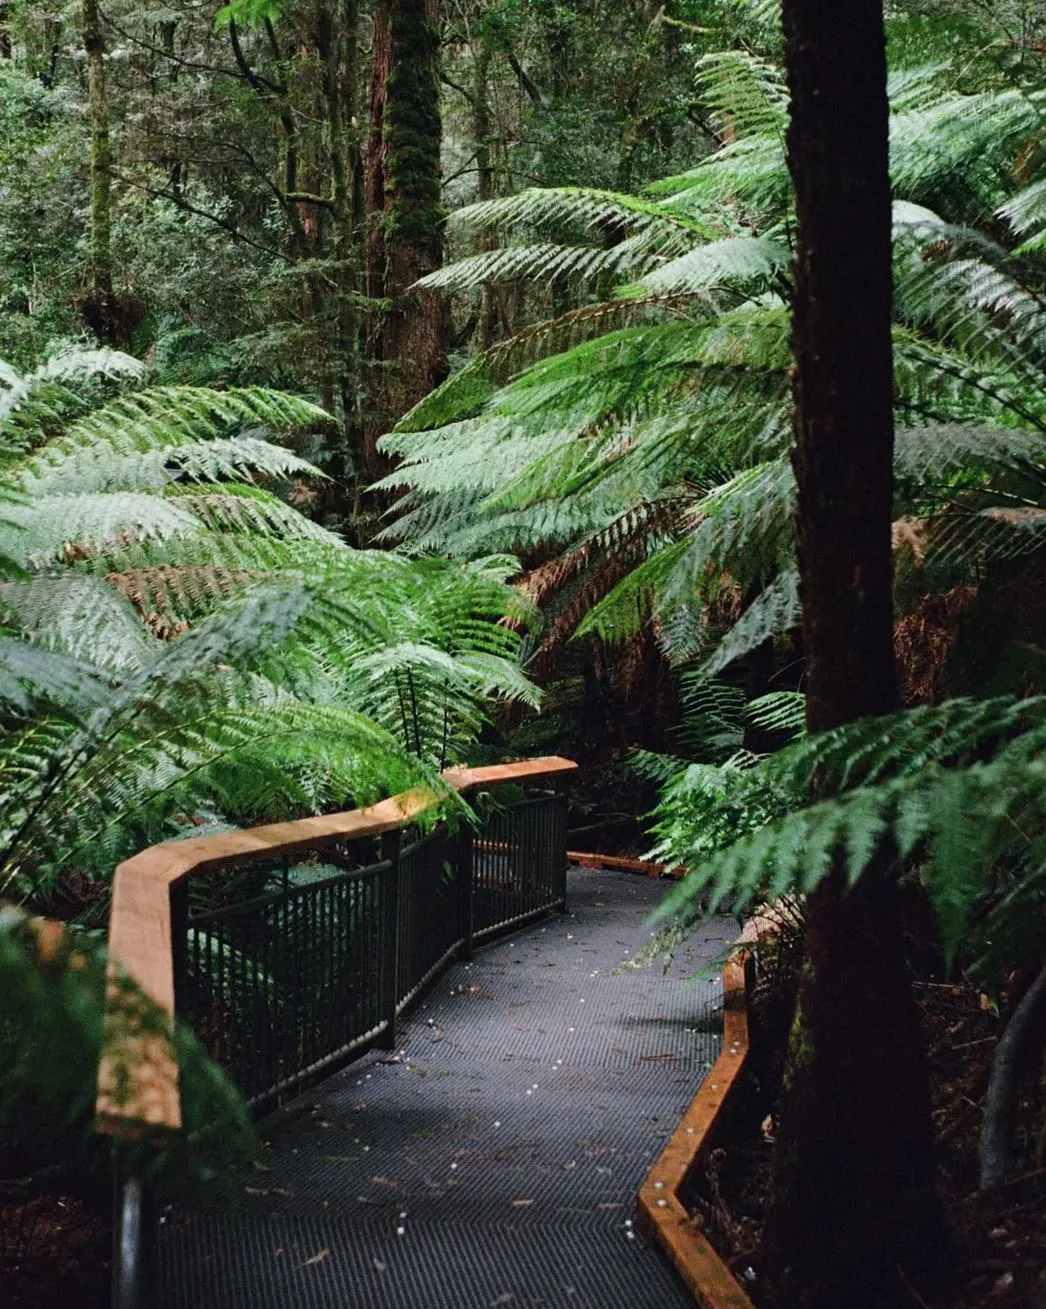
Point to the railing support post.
(464, 872)
(180, 943)
(560, 821)
(134, 1231)
(390, 851)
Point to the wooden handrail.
(138, 1074)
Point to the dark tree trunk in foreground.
(408, 343)
(854, 1211)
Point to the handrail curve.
(138, 1075)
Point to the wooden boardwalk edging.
(661, 1214)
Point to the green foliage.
(177, 636)
(249, 12)
(960, 785)
(644, 463)
(54, 986)
(668, 436)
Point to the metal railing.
(292, 950)
(288, 971)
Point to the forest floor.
(1000, 1235)
(54, 1251)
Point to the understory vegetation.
(393, 387)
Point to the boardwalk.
(492, 1160)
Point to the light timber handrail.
(138, 1075)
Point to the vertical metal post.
(390, 851)
(134, 1233)
(559, 840)
(464, 856)
(180, 944)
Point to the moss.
(413, 132)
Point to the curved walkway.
(493, 1160)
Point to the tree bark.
(336, 44)
(854, 1205)
(408, 342)
(481, 135)
(6, 46)
(99, 307)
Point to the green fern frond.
(533, 263)
(747, 94)
(748, 263)
(60, 527)
(582, 209)
(1026, 211)
(776, 610)
(80, 617)
(778, 711)
(243, 508)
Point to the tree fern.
(964, 784)
(677, 406)
(176, 636)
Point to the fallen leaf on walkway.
(267, 1190)
(507, 1298)
(522, 1204)
(316, 1258)
(608, 1206)
(380, 1266)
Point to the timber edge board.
(661, 1215)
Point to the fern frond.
(749, 263)
(533, 263)
(80, 617)
(778, 711)
(580, 208)
(1026, 211)
(241, 507)
(747, 94)
(776, 610)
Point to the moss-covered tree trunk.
(6, 45)
(408, 341)
(337, 37)
(481, 135)
(99, 308)
(854, 1209)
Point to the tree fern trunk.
(853, 1196)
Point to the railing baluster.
(390, 851)
(464, 861)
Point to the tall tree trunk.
(337, 39)
(481, 134)
(408, 345)
(99, 308)
(854, 1198)
(6, 46)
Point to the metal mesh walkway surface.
(493, 1159)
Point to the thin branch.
(457, 87)
(158, 193)
(260, 84)
(525, 80)
(169, 55)
(307, 198)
